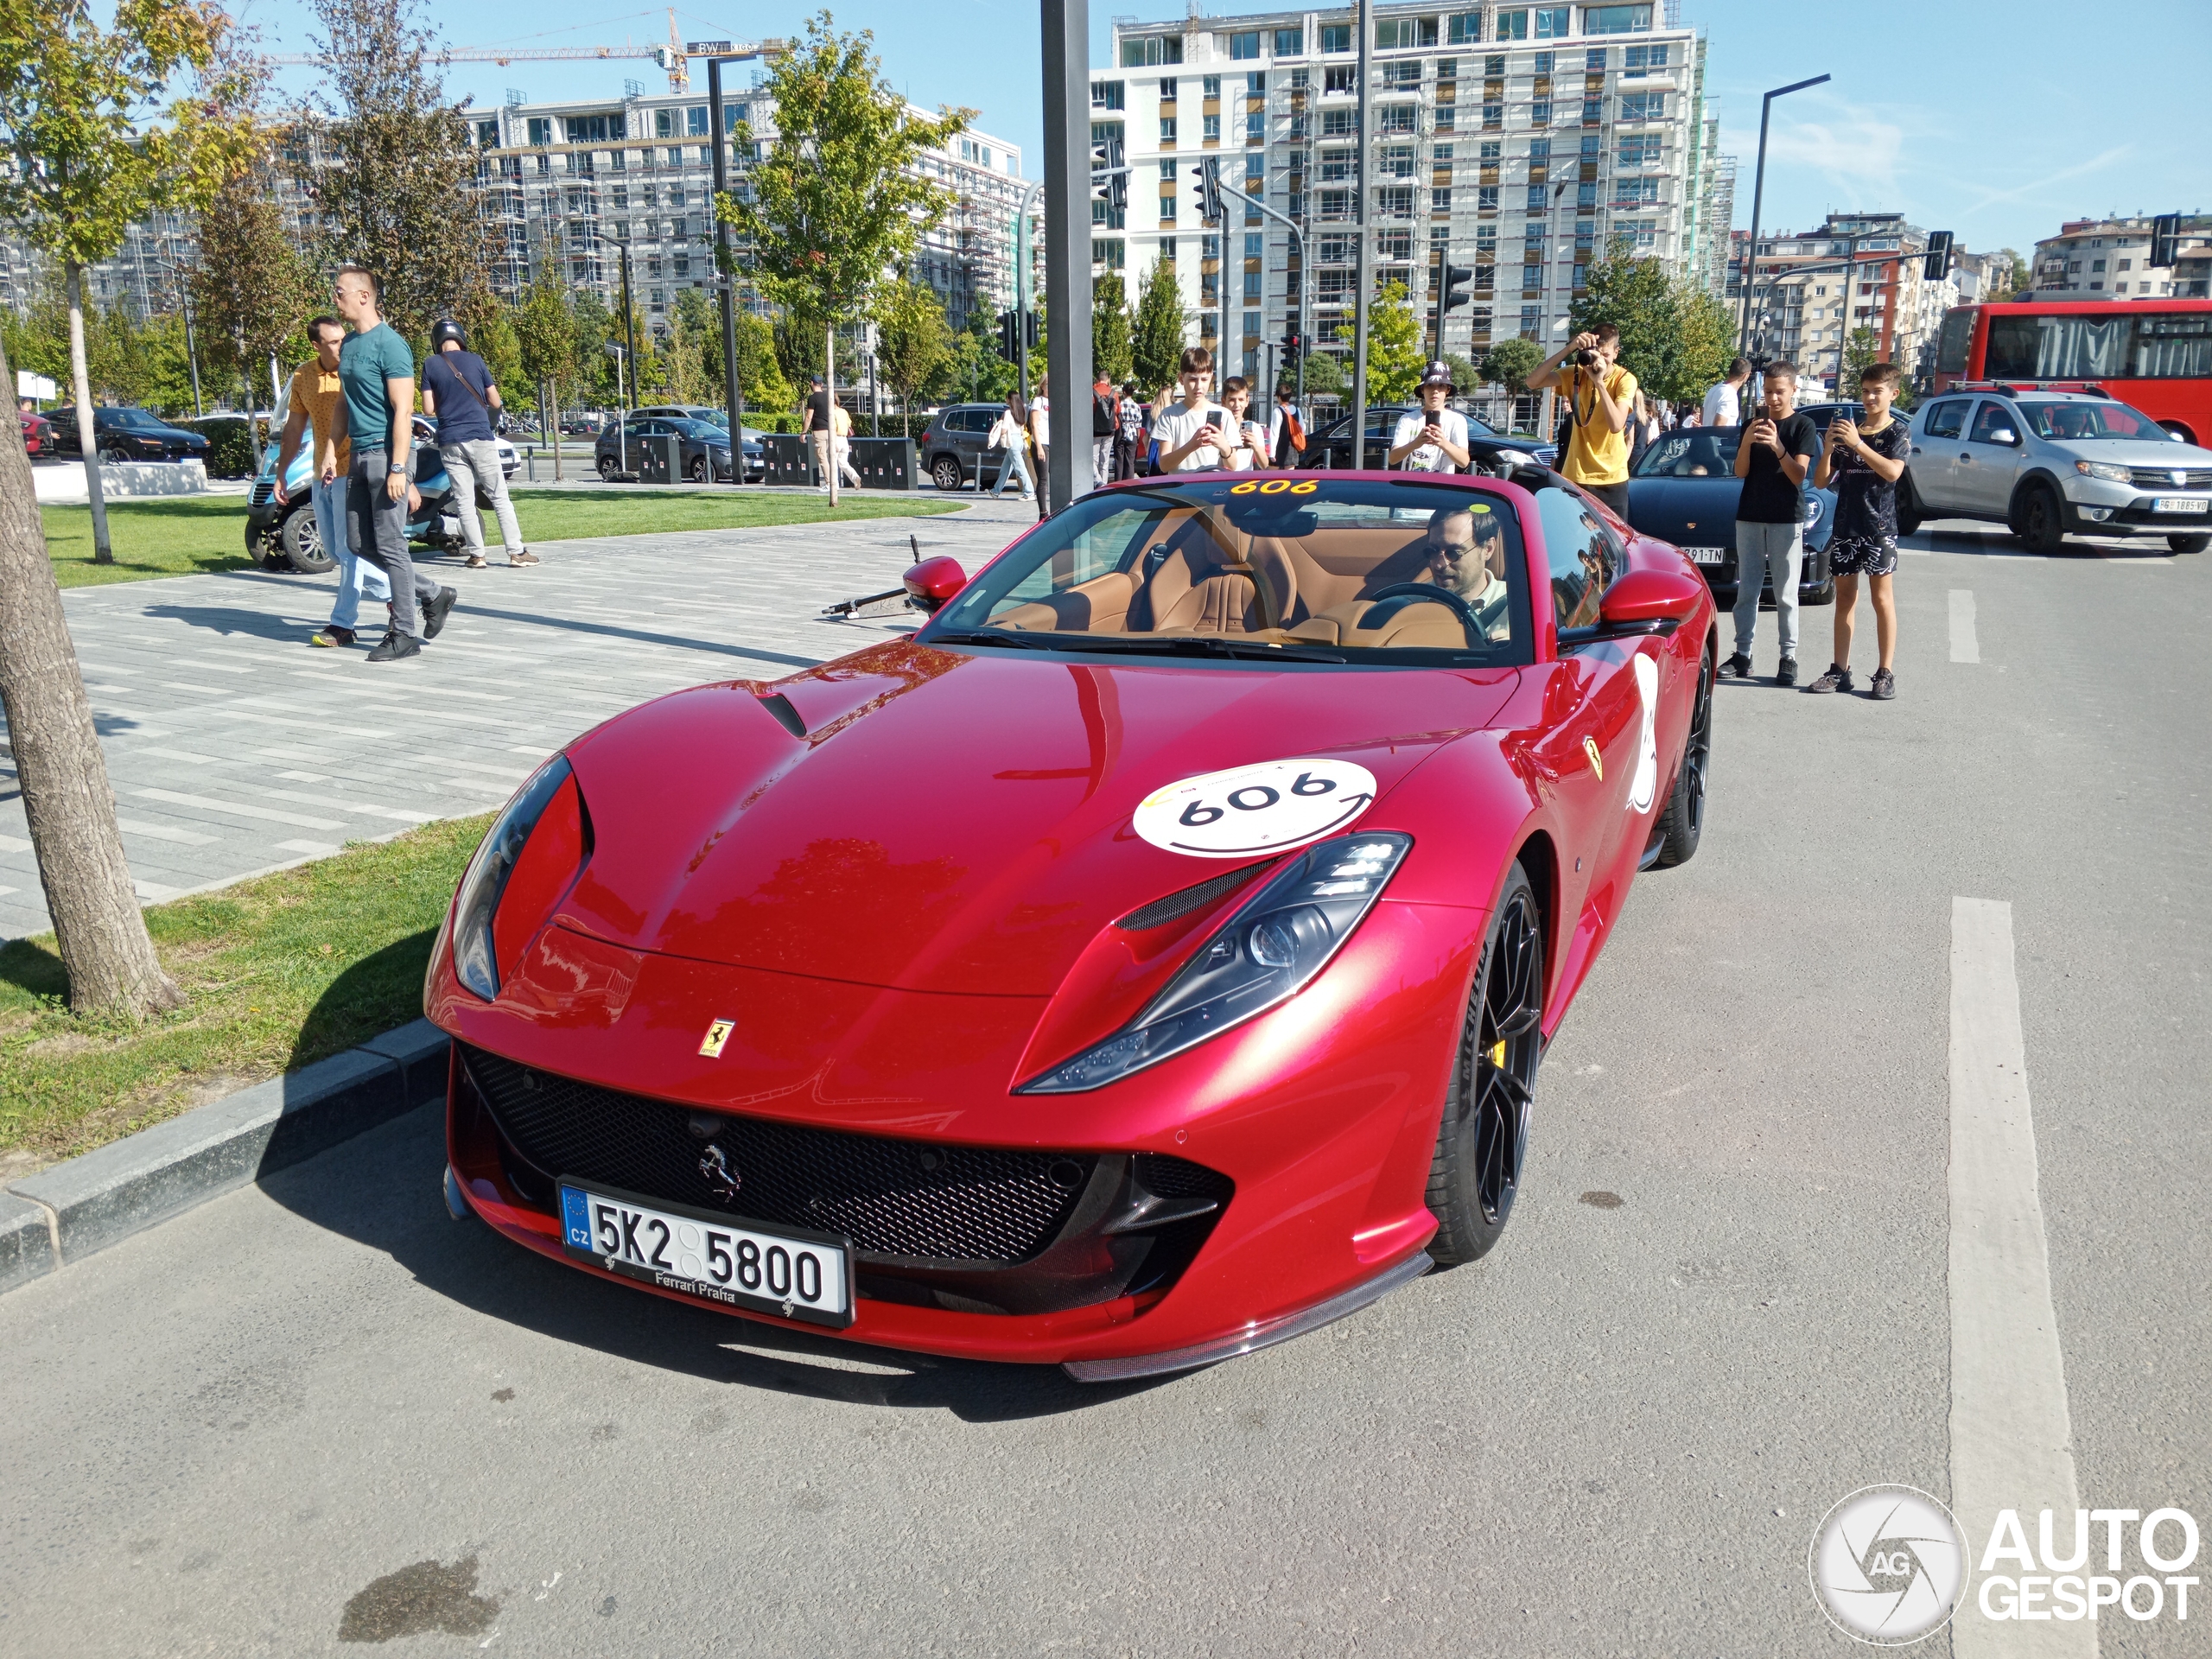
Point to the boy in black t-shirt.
(1775, 453)
(1865, 459)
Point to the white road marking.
(2012, 1439)
(164, 832)
(200, 800)
(1964, 647)
(361, 808)
(154, 890)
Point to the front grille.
(891, 1197)
(263, 489)
(2162, 478)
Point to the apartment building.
(1812, 289)
(2112, 256)
(568, 183)
(1512, 139)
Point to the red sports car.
(1149, 960)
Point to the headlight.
(1276, 942)
(475, 954)
(1811, 509)
(2105, 470)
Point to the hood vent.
(779, 707)
(1160, 912)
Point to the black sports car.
(1332, 445)
(1685, 491)
(128, 434)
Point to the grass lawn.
(180, 537)
(278, 972)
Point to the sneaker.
(396, 645)
(525, 557)
(475, 561)
(1838, 678)
(1787, 674)
(1885, 686)
(1738, 667)
(435, 613)
(332, 635)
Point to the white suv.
(2048, 463)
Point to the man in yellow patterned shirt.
(314, 395)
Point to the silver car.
(2048, 464)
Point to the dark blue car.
(1685, 491)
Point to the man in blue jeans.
(313, 400)
(1776, 452)
(376, 377)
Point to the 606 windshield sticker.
(1257, 809)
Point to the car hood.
(952, 822)
(2139, 452)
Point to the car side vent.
(1160, 912)
(779, 707)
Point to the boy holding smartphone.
(1865, 459)
(1776, 451)
(1193, 433)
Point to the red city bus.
(2154, 355)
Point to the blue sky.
(1995, 121)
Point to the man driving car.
(1466, 554)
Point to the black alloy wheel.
(945, 472)
(2042, 523)
(699, 470)
(609, 468)
(1483, 1136)
(1683, 822)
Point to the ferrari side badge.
(717, 1034)
(1597, 760)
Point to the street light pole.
(733, 396)
(627, 358)
(1364, 20)
(1758, 192)
(1067, 245)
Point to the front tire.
(699, 470)
(302, 539)
(609, 468)
(2043, 521)
(945, 472)
(1482, 1135)
(1683, 822)
(2195, 543)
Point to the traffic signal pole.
(1067, 244)
(1364, 19)
(1305, 340)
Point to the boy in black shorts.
(1865, 459)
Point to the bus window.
(1953, 343)
(2174, 346)
(2093, 348)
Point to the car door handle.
(1966, 460)
(1916, 449)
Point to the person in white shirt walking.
(1193, 433)
(1724, 405)
(1435, 440)
(1286, 429)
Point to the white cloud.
(1859, 157)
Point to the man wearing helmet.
(458, 393)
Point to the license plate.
(2179, 504)
(1707, 555)
(782, 1271)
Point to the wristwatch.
(397, 469)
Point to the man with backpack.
(1287, 431)
(1105, 421)
(458, 394)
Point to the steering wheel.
(1435, 595)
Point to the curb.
(62, 1214)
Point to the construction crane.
(673, 57)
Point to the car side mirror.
(2004, 435)
(934, 581)
(1642, 602)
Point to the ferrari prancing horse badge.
(717, 1034)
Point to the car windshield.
(2072, 423)
(1694, 452)
(137, 418)
(1263, 570)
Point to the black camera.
(1586, 360)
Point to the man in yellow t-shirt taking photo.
(1601, 399)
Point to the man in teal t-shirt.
(376, 375)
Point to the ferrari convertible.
(1148, 960)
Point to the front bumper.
(1210, 1205)
(2098, 507)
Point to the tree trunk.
(88, 440)
(553, 391)
(67, 795)
(830, 379)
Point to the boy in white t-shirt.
(1192, 434)
(1248, 440)
(1434, 441)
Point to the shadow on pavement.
(221, 619)
(607, 630)
(382, 1190)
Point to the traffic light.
(1937, 265)
(1456, 278)
(1010, 336)
(1106, 157)
(1209, 189)
(1293, 347)
(1029, 329)
(2165, 239)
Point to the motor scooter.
(284, 535)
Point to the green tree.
(251, 292)
(1676, 339)
(1156, 346)
(1394, 345)
(394, 186)
(1511, 362)
(1707, 331)
(1325, 376)
(837, 198)
(1861, 346)
(760, 379)
(1111, 338)
(913, 341)
(681, 370)
(100, 126)
(544, 333)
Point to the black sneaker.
(396, 645)
(1738, 667)
(1787, 674)
(435, 613)
(1885, 685)
(1838, 678)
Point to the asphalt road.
(320, 1413)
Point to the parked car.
(38, 434)
(1821, 414)
(129, 435)
(686, 412)
(2048, 464)
(953, 442)
(1685, 491)
(1330, 446)
(705, 446)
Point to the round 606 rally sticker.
(1256, 808)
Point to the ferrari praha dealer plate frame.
(716, 1258)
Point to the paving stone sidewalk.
(235, 747)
